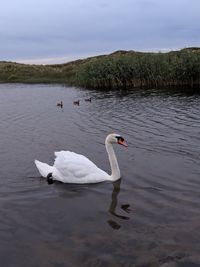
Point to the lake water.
(151, 217)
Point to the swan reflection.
(113, 206)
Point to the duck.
(88, 99)
(77, 102)
(70, 167)
(60, 104)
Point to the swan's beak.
(123, 143)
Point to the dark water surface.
(149, 218)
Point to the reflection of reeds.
(118, 70)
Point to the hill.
(121, 69)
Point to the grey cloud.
(51, 28)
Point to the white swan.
(70, 167)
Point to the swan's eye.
(119, 138)
(121, 141)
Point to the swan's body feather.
(43, 168)
(70, 167)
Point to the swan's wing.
(74, 167)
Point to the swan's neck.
(115, 172)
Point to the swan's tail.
(43, 168)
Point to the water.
(148, 218)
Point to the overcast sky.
(55, 31)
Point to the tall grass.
(118, 70)
(142, 69)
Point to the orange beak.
(123, 143)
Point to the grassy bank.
(122, 69)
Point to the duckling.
(60, 104)
(77, 102)
(88, 99)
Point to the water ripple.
(160, 169)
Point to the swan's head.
(116, 139)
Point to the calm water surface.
(151, 217)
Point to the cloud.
(60, 28)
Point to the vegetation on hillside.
(122, 69)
